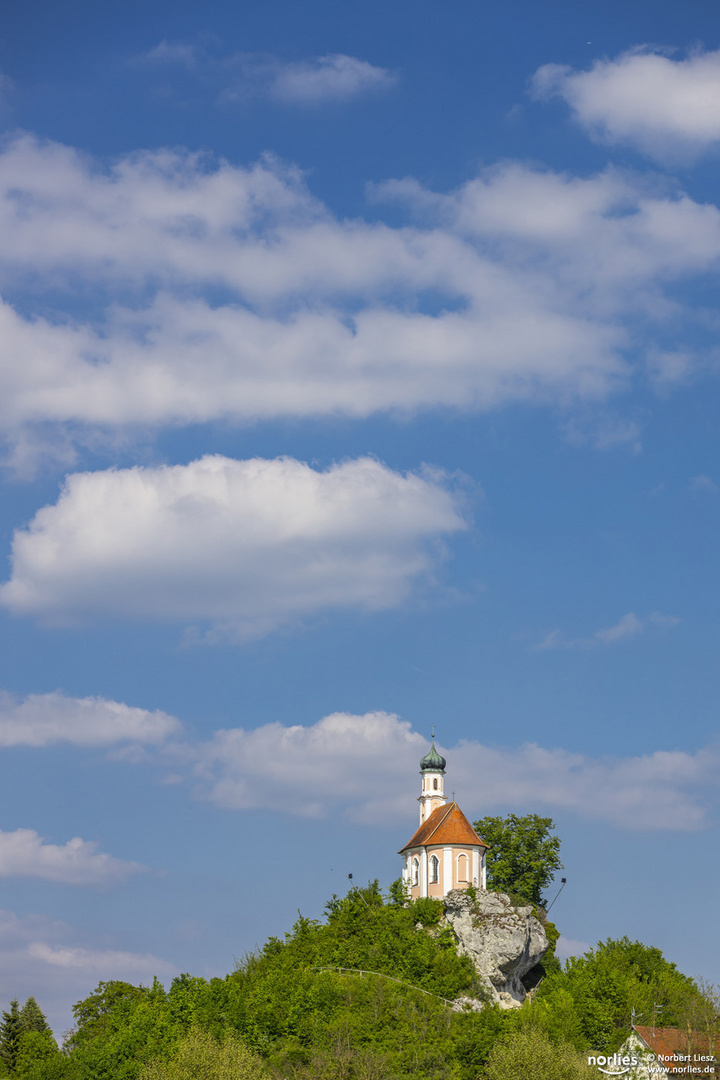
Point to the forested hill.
(291, 1012)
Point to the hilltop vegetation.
(289, 1012)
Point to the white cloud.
(317, 79)
(659, 618)
(171, 52)
(24, 853)
(93, 960)
(604, 432)
(704, 483)
(41, 957)
(334, 77)
(365, 766)
(630, 625)
(551, 640)
(669, 790)
(521, 285)
(665, 107)
(343, 759)
(249, 545)
(45, 719)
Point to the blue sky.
(359, 373)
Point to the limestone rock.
(503, 942)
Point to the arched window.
(462, 868)
(435, 783)
(416, 871)
(434, 869)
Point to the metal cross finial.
(453, 795)
(432, 729)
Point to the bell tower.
(432, 771)
(445, 852)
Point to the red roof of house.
(671, 1045)
(446, 825)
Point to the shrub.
(199, 1056)
(530, 1055)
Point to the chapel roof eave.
(446, 825)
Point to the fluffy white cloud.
(248, 545)
(343, 759)
(44, 719)
(190, 362)
(669, 790)
(662, 105)
(613, 237)
(40, 956)
(522, 285)
(366, 766)
(24, 853)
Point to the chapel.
(445, 853)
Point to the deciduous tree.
(524, 855)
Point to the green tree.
(99, 1015)
(200, 1055)
(10, 1032)
(38, 1058)
(119, 1028)
(524, 855)
(530, 1055)
(606, 986)
(32, 1016)
(555, 1014)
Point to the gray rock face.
(503, 942)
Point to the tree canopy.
(523, 856)
(200, 1055)
(32, 1017)
(28, 1049)
(531, 1055)
(591, 1001)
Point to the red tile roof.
(671, 1046)
(446, 825)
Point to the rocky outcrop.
(504, 942)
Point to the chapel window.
(462, 867)
(434, 869)
(435, 783)
(415, 872)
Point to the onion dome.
(433, 761)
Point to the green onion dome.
(433, 761)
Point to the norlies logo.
(617, 1064)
